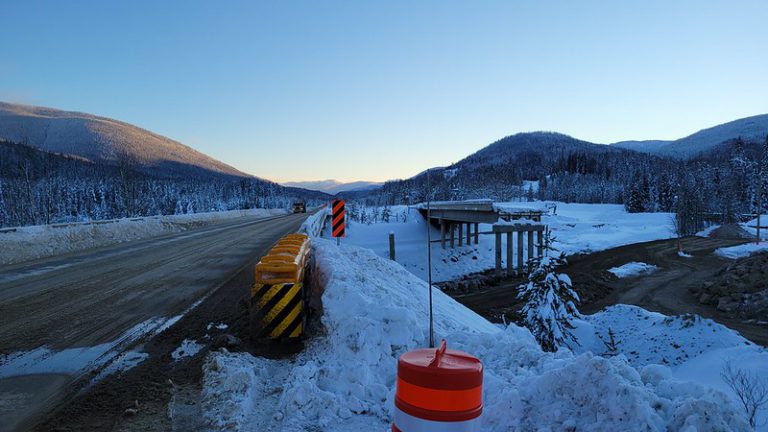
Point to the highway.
(106, 300)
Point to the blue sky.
(373, 90)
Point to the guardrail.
(279, 295)
(315, 224)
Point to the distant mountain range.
(103, 139)
(333, 187)
(749, 129)
(525, 155)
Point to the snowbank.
(40, 241)
(632, 269)
(578, 228)
(742, 251)
(374, 311)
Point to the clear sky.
(373, 90)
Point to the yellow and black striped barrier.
(279, 293)
(278, 311)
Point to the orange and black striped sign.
(338, 218)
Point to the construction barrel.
(278, 294)
(438, 390)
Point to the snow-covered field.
(375, 310)
(33, 242)
(632, 269)
(577, 227)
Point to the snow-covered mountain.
(648, 146)
(753, 128)
(103, 139)
(750, 128)
(334, 186)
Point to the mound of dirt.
(740, 288)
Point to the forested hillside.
(38, 187)
(101, 139)
(725, 181)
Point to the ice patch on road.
(188, 348)
(123, 362)
(44, 360)
(107, 357)
(374, 311)
(632, 269)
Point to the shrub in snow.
(751, 390)
(611, 344)
(549, 304)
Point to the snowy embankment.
(632, 269)
(375, 310)
(40, 241)
(578, 228)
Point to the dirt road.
(65, 317)
(665, 291)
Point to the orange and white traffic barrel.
(438, 390)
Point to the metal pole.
(429, 264)
(759, 204)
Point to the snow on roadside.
(374, 310)
(632, 269)
(40, 241)
(741, 251)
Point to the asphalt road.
(108, 301)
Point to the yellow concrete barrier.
(278, 294)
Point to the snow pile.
(40, 241)
(578, 228)
(741, 251)
(374, 311)
(632, 269)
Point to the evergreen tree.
(549, 302)
(637, 201)
(386, 214)
(3, 212)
